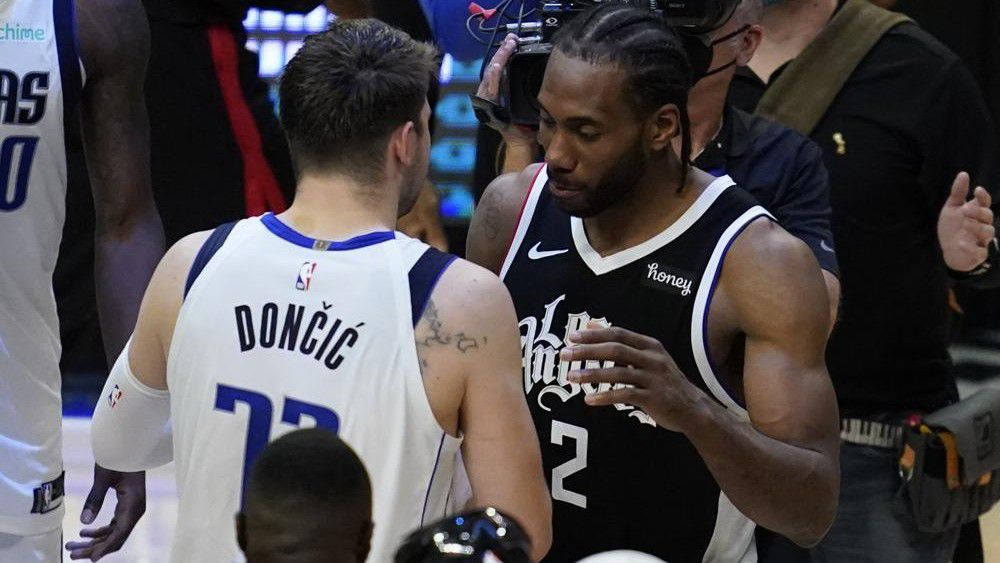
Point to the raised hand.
(965, 228)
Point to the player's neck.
(635, 220)
(337, 208)
(789, 27)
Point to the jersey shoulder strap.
(423, 276)
(207, 251)
(64, 18)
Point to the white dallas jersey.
(40, 79)
(280, 331)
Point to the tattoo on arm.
(437, 335)
(491, 216)
(465, 343)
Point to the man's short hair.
(347, 89)
(311, 472)
(748, 12)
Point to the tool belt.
(871, 433)
(950, 462)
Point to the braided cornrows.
(646, 48)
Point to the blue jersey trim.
(708, 306)
(430, 484)
(275, 225)
(423, 276)
(64, 18)
(212, 245)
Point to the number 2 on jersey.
(16, 169)
(562, 430)
(259, 423)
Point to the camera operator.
(781, 168)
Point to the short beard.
(615, 186)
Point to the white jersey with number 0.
(40, 79)
(280, 331)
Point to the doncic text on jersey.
(324, 337)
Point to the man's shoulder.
(765, 250)
(909, 45)
(514, 185)
(497, 214)
(465, 285)
(768, 151)
(763, 133)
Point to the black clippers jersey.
(618, 481)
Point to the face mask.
(700, 53)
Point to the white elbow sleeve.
(131, 428)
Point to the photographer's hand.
(521, 143)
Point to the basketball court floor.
(150, 541)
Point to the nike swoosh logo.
(535, 254)
(825, 246)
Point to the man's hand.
(489, 89)
(424, 220)
(131, 492)
(965, 228)
(655, 383)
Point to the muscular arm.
(805, 213)
(781, 469)
(801, 204)
(114, 46)
(495, 218)
(480, 352)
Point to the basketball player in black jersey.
(672, 333)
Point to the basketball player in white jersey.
(324, 316)
(60, 69)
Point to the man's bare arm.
(782, 469)
(147, 443)
(114, 45)
(469, 337)
(495, 218)
(161, 305)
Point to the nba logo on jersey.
(114, 396)
(305, 276)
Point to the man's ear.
(241, 531)
(404, 143)
(664, 126)
(748, 44)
